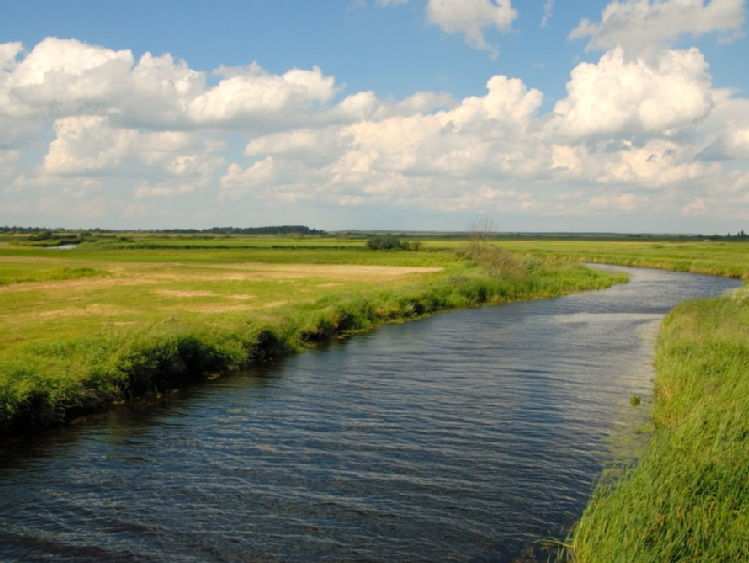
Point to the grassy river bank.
(687, 499)
(103, 323)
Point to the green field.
(115, 319)
(718, 258)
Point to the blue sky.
(628, 116)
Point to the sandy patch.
(89, 310)
(213, 308)
(176, 293)
(148, 274)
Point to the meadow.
(119, 318)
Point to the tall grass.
(688, 497)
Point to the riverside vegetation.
(120, 318)
(687, 499)
(87, 328)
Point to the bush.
(385, 242)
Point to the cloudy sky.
(542, 115)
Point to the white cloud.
(258, 96)
(86, 145)
(638, 25)
(8, 54)
(471, 18)
(618, 97)
(508, 102)
(727, 128)
(656, 164)
(65, 76)
(237, 181)
(159, 91)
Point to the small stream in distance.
(465, 436)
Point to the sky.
(627, 116)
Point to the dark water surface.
(464, 436)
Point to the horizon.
(618, 117)
(323, 232)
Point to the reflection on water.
(464, 436)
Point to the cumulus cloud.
(63, 77)
(85, 145)
(727, 127)
(66, 76)
(8, 54)
(630, 132)
(615, 96)
(258, 95)
(638, 25)
(471, 18)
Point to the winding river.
(466, 436)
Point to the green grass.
(719, 258)
(83, 328)
(688, 497)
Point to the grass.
(83, 328)
(688, 497)
(718, 258)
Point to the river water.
(466, 436)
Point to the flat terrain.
(124, 317)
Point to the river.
(465, 436)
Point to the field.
(718, 258)
(118, 318)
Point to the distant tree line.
(274, 230)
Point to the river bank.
(92, 328)
(687, 499)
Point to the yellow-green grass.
(82, 328)
(720, 258)
(688, 498)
